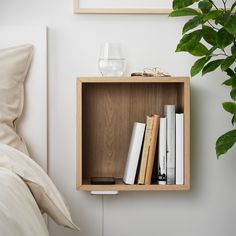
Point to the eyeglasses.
(151, 72)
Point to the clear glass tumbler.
(111, 60)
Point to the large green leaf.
(177, 4)
(212, 15)
(232, 80)
(233, 120)
(205, 6)
(226, 63)
(198, 50)
(189, 40)
(230, 107)
(233, 94)
(225, 142)
(230, 72)
(223, 18)
(192, 23)
(209, 34)
(223, 38)
(233, 50)
(198, 65)
(211, 66)
(233, 6)
(184, 12)
(230, 25)
(227, 82)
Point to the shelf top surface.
(178, 79)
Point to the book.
(162, 152)
(180, 148)
(169, 111)
(152, 150)
(146, 147)
(134, 153)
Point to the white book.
(162, 152)
(169, 111)
(134, 153)
(180, 148)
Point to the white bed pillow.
(43, 189)
(14, 66)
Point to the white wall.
(74, 40)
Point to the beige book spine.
(152, 150)
(146, 147)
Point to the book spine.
(179, 149)
(145, 152)
(170, 141)
(162, 152)
(152, 150)
(134, 153)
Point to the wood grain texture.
(120, 186)
(161, 11)
(79, 10)
(79, 135)
(106, 111)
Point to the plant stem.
(225, 52)
(224, 2)
(219, 54)
(212, 25)
(214, 5)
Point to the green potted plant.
(210, 34)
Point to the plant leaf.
(205, 6)
(198, 50)
(233, 94)
(223, 38)
(210, 51)
(222, 18)
(233, 6)
(233, 120)
(233, 50)
(233, 81)
(189, 40)
(226, 63)
(227, 82)
(230, 107)
(192, 23)
(211, 66)
(225, 142)
(198, 65)
(230, 25)
(230, 72)
(184, 12)
(209, 35)
(212, 15)
(177, 4)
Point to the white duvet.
(26, 191)
(19, 213)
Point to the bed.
(26, 190)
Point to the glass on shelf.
(112, 60)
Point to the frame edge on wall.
(144, 11)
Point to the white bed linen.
(45, 193)
(19, 213)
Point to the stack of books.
(156, 150)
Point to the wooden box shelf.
(106, 110)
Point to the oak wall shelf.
(106, 110)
